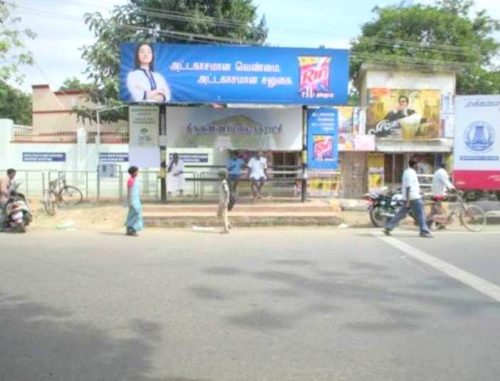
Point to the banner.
(352, 127)
(476, 151)
(144, 122)
(222, 128)
(322, 138)
(170, 73)
(404, 114)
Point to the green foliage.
(12, 49)
(442, 36)
(187, 21)
(74, 84)
(15, 105)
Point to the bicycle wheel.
(473, 218)
(49, 202)
(70, 195)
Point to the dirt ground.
(111, 216)
(86, 216)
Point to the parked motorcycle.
(382, 206)
(17, 212)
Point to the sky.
(300, 23)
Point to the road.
(258, 304)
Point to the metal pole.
(303, 188)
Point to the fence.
(201, 184)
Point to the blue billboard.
(322, 139)
(173, 73)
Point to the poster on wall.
(190, 73)
(322, 138)
(352, 130)
(144, 122)
(225, 129)
(404, 114)
(375, 165)
(476, 154)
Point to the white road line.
(478, 284)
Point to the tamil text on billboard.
(476, 152)
(172, 73)
(224, 128)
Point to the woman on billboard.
(143, 83)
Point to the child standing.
(223, 201)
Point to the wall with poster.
(375, 166)
(352, 130)
(322, 138)
(404, 114)
(144, 130)
(476, 152)
(191, 73)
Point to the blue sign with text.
(322, 139)
(44, 156)
(172, 73)
(113, 157)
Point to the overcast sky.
(300, 23)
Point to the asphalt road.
(258, 304)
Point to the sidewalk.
(91, 216)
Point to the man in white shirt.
(258, 173)
(441, 182)
(413, 198)
(441, 185)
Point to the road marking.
(473, 281)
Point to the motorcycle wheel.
(377, 216)
(20, 228)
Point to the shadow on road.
(39, 342)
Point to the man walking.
(413, 201)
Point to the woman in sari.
(134, 221)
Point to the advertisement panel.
(404, 114)
(476, 153)
(173, 73)
(144, 130)
(222, 128)
(322, 138)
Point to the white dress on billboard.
(140, 81)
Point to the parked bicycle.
(471, 216)
(61, 194)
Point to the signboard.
(404, 114)
(144, 122)
(248, 129)
(476, 151)
(322, 138)
(192, 73)
(191, 158)
(113, 157)
(44, 156)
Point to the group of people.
(412, 196)
(228, 184)
(257, 172)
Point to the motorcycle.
(17, 212)
(383, 206)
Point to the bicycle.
(471, 216)
(59, 193)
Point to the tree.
(442, 36)
(15, 105)
(12, 50)
(74, 84)
(188, 21)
